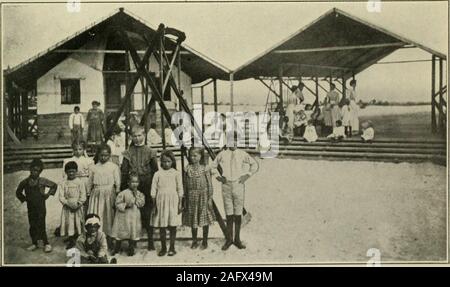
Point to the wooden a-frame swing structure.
(166, 62)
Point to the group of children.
(338, 119)
(105, 203)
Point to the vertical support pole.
(331, 81)
(343, 88)
(182, 148)
(25, 115)
(231, 93)
(441, 99)
(215, 95)
(316, 102)
(128, 107)
(280, 82)
(433, 92)
(202, 99)
(145, 92)
(161, 78)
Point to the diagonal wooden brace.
(130, 88)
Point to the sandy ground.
(302, 211)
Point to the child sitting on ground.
(32, 190)
(338, 132)
(310, 134)
(368, 132)
(127, 222)
(93, 245)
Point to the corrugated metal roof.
(198, 66)
(336, 44)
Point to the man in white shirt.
(76, 124)
(237, 167)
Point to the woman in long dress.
(95, 120)
(334, 99)
(296, 96)
(351, 95)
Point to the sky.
(234, 33)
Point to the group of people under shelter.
(336, 119)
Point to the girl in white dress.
(104, 184)
(310, 134)
(351, 95)
(72, 195)
(167, 194)
(347, 116)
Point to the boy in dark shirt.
(32, 190)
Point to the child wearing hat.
(93, 244)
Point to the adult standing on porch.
(351, 95)
(333, 97)
(95, 120)
(296, 96)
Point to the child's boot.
(162, 236)
(194, 238)
(173, 234)
(117, 247)
(237, 232)
(205, 237)
(131, 247)
(229, 235)
(151, 245)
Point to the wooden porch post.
(215, 95)
(433, 100)
(316, 102)
(202, 99)
(24, 115)
(441, 98)
(128, 108)
(280, 80)
(231, 92)
(344, 88)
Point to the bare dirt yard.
(303, 211)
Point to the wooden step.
(361, 155)
(362, 149)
